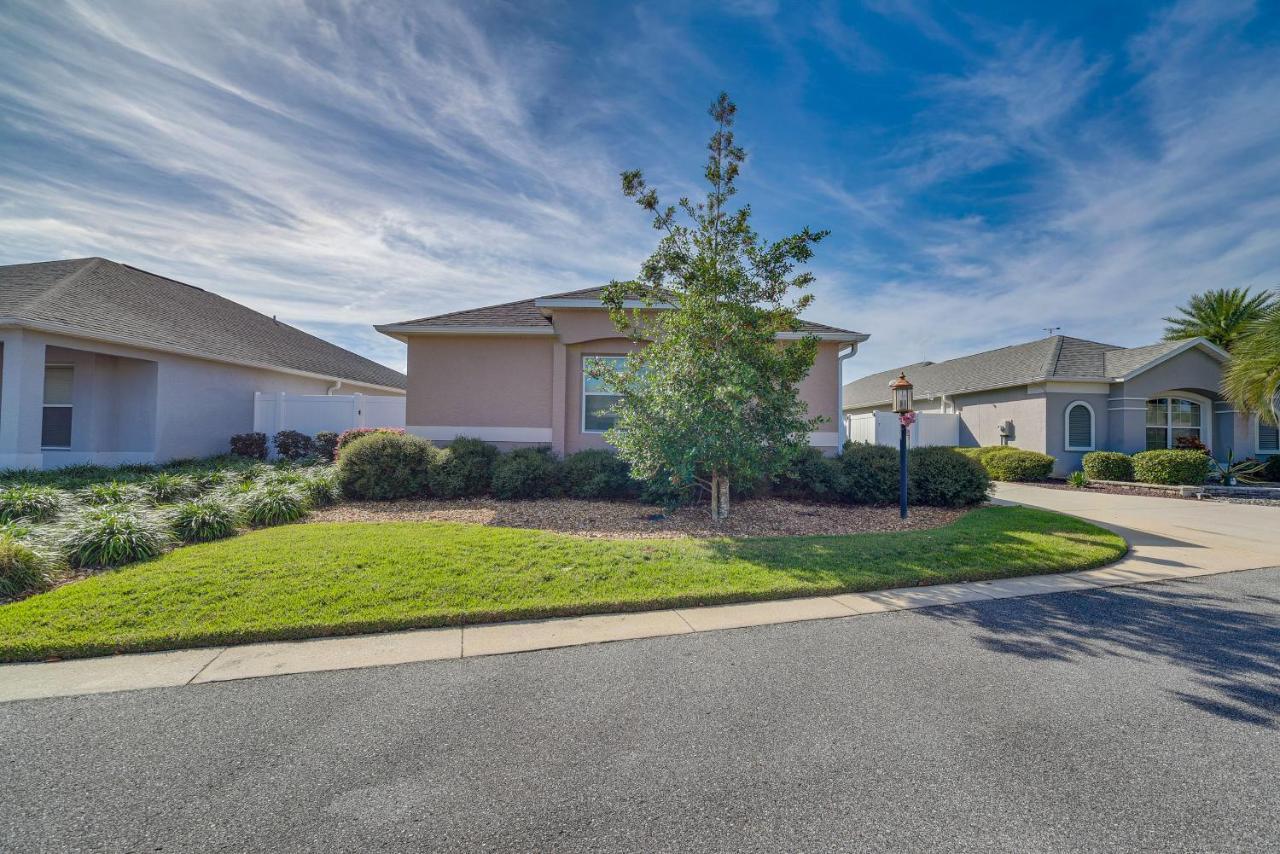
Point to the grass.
(318, 579)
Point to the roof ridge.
(1051, 362)
(91, 263)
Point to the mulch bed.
(630, 520)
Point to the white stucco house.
(105, 363)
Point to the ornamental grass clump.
(320, 486)
(108, 493)
(273, 504)
(111, 535)
(166, 487)
(32, 503)
(23, 567)
(204, 519)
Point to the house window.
(1079, 427)
(598, 399)
(1170, 419)
(1268, 435)
(55, 431)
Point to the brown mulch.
(626, 520)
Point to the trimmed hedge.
(383, 465)
(348, 436)
(812, 476)
(597, 474)
(465, 469)
(869, 474)
(527, 473)
(1016, 465)
(942, 478)
(1172, 467)
(1108, 465)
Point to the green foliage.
(869, 474)
(382, 466)
(1220, 315)
(249, 445)
(32, 503)
(273, 504)
(1189, 468)
(293, 445)
(1252, 377)
(111, 492)
(110, 535)
(811, 476)
(465, 469)
(1016, 465)
(713, 398)
(166, 487)
(1271, 469)
(940, 477)
(320, 486)
(200, 520)
(349, 436)
(1108, 465)
(527, 473)
(1078, 479)
(597, 474)
(23, 568)
(325, 445)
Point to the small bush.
(465, 469)
(1108, 465)
(325, 445)
(273, 504)
(526, 473)
(320, 486)
(1016, 465)
(111, 492)
(812, 476)
(667, 491)
(1271, 471)
(869, 473)
(111, 536)
(33, 503)
(293, 445)
(943, 478)
(23, 569)
(349, 436)
(1171, 466)
(166, 488)
(203, 519)
(597, 474)
(251, 445)
(383, 466)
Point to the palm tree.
(1219, 315)
(1252, 378)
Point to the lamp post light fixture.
(901, 388)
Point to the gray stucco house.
(105, 363)
(1066, 396)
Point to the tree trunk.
(719, 498)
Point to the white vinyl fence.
(311, 413)
(881, 428)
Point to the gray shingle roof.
(98, 298)
(1055, 357)
(526, 314)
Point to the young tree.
(1218, 315)
(713, 398)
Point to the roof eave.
(555, 302)
(398, 330)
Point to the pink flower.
(907, 418)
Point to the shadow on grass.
(1233, 651)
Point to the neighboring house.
(512, 374)
(104, 363)
(1066, 396)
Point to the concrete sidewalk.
(1170, 539)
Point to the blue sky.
(984, 174)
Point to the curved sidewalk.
(1169, 539)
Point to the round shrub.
(166, 488)
(33, 503)
(108, 493)
(943, 478)
(1108, 465)
(869, 473)
(273, 504)
(465, 469)
(203, 519)
(384, 466)
(1014, 464)
(597, 474)
(526, 473)
(293, 445)
(251, 445)
(111, 536)
(325, 445)
(23, 569)
(1171, 466)
(348, 436)
(812, 476)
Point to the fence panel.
(881, 428)
(312, 413)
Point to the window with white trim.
(55, 429)
(598, 399)
(1079, 427)
(1170, 419)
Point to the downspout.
(842, 431)
(336, 385)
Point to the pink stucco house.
(512, 374)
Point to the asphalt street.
(1141, 718)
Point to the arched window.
(1079, 426)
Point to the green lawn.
(314, 579)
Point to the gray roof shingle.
(98, 298)
(1055, 357)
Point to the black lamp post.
(901, 388)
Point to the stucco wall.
(1194, 372)
(575, 439)
(981, 414)
(1056, 404)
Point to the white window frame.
(1206, 415)
(1066, 427)
(71, 406)
(582, 398)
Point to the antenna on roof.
(1052, 330)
